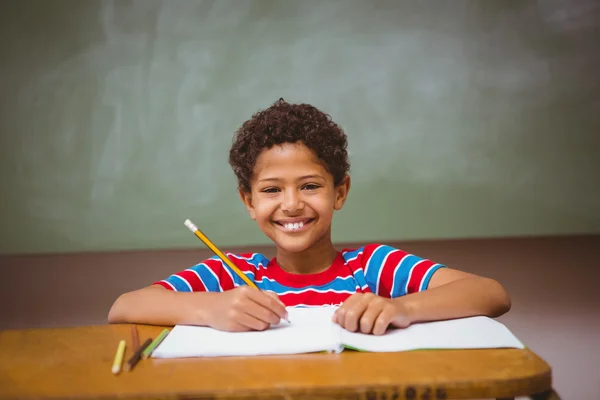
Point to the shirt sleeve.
(392, 272)
(208, 276)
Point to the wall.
(465, 118)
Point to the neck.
(313, 260)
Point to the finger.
(369, 316)
(260, 312)
(269, 301)
(236, 327)
(276, 298)
(400, 321)
(354, 313)
(382, 322)
(252, 322)
(237, 320)
(339, 316)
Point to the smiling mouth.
(294, 226)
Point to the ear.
(247, 200)
(341, 193)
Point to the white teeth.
(294, 226)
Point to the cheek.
(264, 210)
(324, 207)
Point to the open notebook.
(311, 330)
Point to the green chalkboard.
(465, 118)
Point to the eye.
(310, 186)
(270, 190)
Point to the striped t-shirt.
(379, 269)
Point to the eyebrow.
(299, 179)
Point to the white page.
(464, 333)
(310, 330)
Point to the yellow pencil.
(220, 254)
(116, 367)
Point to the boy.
(292, 170)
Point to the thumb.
(401, 322)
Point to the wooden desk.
(75, 363)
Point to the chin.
(292, 247)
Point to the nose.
(291, 201)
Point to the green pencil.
(148, 350)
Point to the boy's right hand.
(245, 309)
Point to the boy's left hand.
(369, 313)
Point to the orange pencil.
(135, 339)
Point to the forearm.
(158, 306)
(461, 298)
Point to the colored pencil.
(148, 351)
(137, 355)
(135, 339)
(118, 362)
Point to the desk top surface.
(76, 363)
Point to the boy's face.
(293, 197)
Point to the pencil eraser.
(190, 225)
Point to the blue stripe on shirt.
(401, 275)
(374, 265)
(338, 284)
(209, 280)
(428, 275)
(178, 283)
(257, 260)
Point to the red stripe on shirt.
(386, 278)
(164, 284)
(241, 261)
(368, 251)
(193, 279)
(224, 278)
(417, 275)
(312, 298)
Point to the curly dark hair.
(289, 123)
